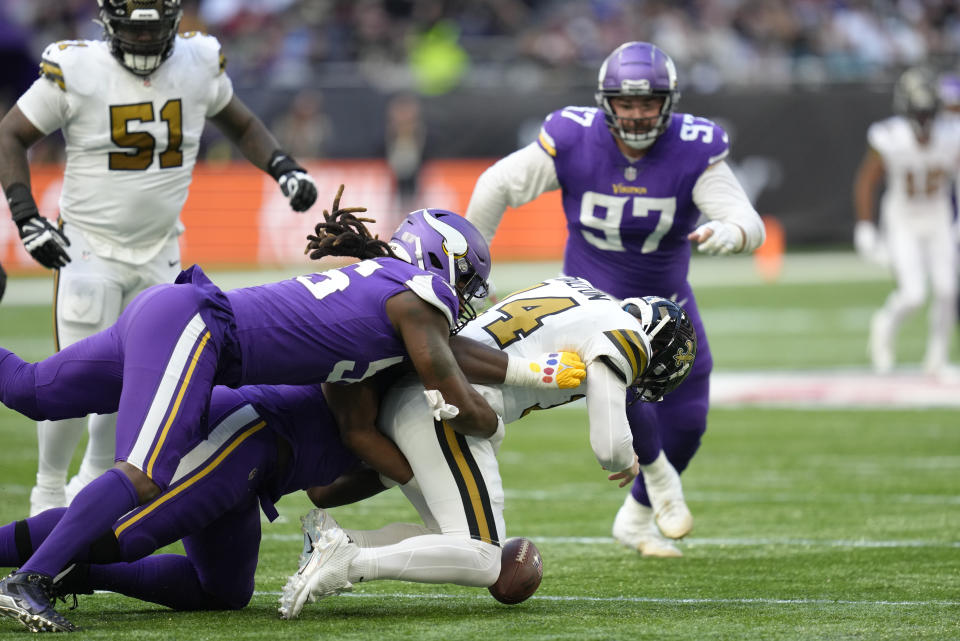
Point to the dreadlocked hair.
(343, 234)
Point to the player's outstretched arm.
(40, 237)
(426, 333)
(485, 365)
(355, 409)
(261, 148)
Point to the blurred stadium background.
(434, 91)
(835, 521)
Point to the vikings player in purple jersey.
(636, 178)
(263, 442)
(157, 365)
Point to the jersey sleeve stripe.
(52, 71)
(223, 63)
(547, 143)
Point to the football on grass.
(521, 570)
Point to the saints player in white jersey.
(645, 344)
(131, 108)
(916, 153)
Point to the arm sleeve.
(45, 105)
(719, 195)
(510, 182)
(610, 435)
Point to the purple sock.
(167, 579)
(93, 511)
(19, 539)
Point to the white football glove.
(867, 242)
(440, 409)
(726, 238)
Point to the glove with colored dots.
(555, 370)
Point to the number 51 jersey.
(566, 314)
(131, 141)
(628, 221)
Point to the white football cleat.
(313, 524)
(45, 498)
(324, 573)
(635, 528)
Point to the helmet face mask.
(140, 33)
(446, 244)
(637, 69)
(673, 343)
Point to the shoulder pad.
(205, 48)
(437, 292)
(563, 128)
(59, 55)
(632, 351)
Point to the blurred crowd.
(435, 45)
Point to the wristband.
(22, 204)
(280, 164)
(522, 372)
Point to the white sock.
(99, 455)
(431, 558)
(657, 471)
(56, 442)
(387, 535)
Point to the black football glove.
(295, 183)
(44, 241)
(3, 282)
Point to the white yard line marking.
(717, 541)
(642, 599)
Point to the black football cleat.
(26, 597)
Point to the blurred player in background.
(915, 153)
(636, 178)
(131, 108)
(642, 347)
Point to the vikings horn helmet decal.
(445, 243)
(638, 69)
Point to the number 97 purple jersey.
(628, 221)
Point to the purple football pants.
(677, 423)
(211, 503)
(155, 367)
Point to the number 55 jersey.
(131, 141)
(628, 221)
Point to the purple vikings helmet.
(673, 342)
(140, 32)
(448, 245)
(915, 96)
(638, 69)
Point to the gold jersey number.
(140, 144)
(522, 317)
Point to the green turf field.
(809, 523)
